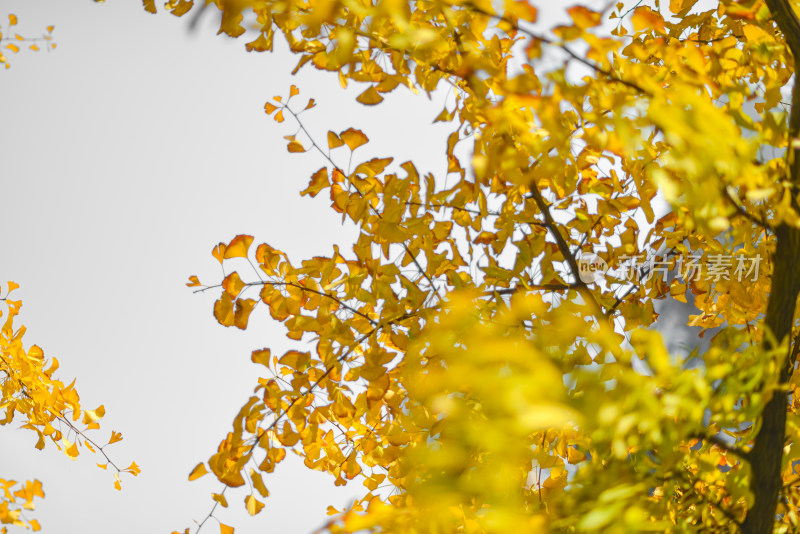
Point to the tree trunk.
(767, 452)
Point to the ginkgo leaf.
(319, 181)
(71, 450)
(14, 48)
(644, 17)
(233, 285)
(242, 313)
(334, 141)
(223, 310)
(258, 483)
(225, 529)
(198, 471)
(219, 251)
(263, 43)
(293, 90)
(269, 107)
(149, 5)
(179, 7)
(220, 498)
(261, 357)
(253, 505)
(294, 146)
(193, 281)
(12, 20)
(311, 103)
(238, 246)
(370, 97)
(115, 437)
(279, 116)
(584, 17)
(90, 416)
(133, 469)
(353, 138)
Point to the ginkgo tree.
(483, 360)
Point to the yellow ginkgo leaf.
(238, 246)
(353, 138)
(232, 284)
(294, 146)
(319, 181)
(584, 17)
(334, 141)
(198, 471)
(242, 312)
(261, 357)
(223, 310)
(90, 416)
(253, 505)
(370, 97)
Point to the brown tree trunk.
(767, 453)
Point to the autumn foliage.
(33, 398)
(454, 361)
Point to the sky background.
(125, 155)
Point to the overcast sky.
(125, 156)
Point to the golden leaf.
(238, 246)
(319, 181)
(370, 97)
(294, 146)
(219, 251)
(253, 505)
(223, 310)
(334, 141)
(242, 313)
(198, 471)
(353, 138)
(584, 17)
(233, 285)
(644, 17)
(261, 357)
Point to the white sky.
(125, 156)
